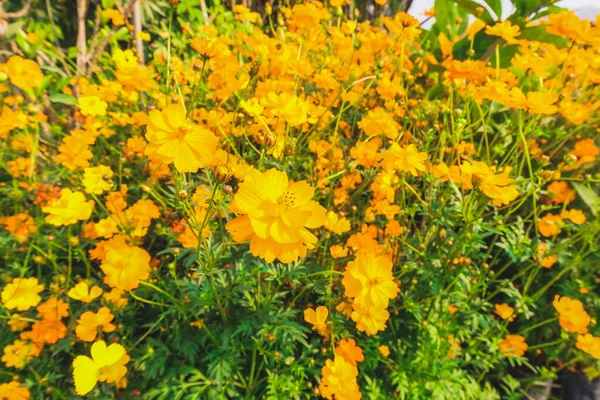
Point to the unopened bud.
(269, 140)
(222, 174)
(183, 194)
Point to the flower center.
(182, 131)
(287, 200)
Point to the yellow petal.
(85, 374)
(104, 355)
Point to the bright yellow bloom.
(19, 353)
(114, 15)
(276, 215)
(369, 319)
(92, 105)
(124, 265)
(84, 293)
(174, 139)
(69, 208)
(572, 316)
(339, 380)
(22, 294)
(405, 158)
(336, 224)
(370, 281)
(505, 30)
(10, 120)
(107, 364)
(23, 73)
(97, 180)
(317, 318)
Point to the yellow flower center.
(182, 131)
(287, 200)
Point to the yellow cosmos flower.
(84, 293)
(405, 158)
(69, 208)
(106, 365)
(92, 105)
(97, 180)
(23, 73)
(174, 139)
(276, 215)
(125, 265)
(370, 281)
(317, 318)
(22, 294)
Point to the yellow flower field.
(293, 201)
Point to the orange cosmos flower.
(549, 225)
(560, 192)
(14, 391)
(174, 139)
(89, 323)
(384, 350)
(572, 316)
(589, 344)
(20, 226)
(513, 345)
(276, 215)
(350, 351)
(505, 311)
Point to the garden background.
(274, 200)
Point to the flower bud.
(222, 174)
(227, 189)
(269, 140)
(183, 194)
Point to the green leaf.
(496, 6)
(443, 15)
(63, 98)
(470, 6)
(538, 33)
(589, 197)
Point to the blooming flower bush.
(301, 204)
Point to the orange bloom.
(405, 158)
(350, 351)
(549, 225)
(572, 316)
(513, 345)
(124, 265)
(589, 344)
(89, 323)
(505, 311)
